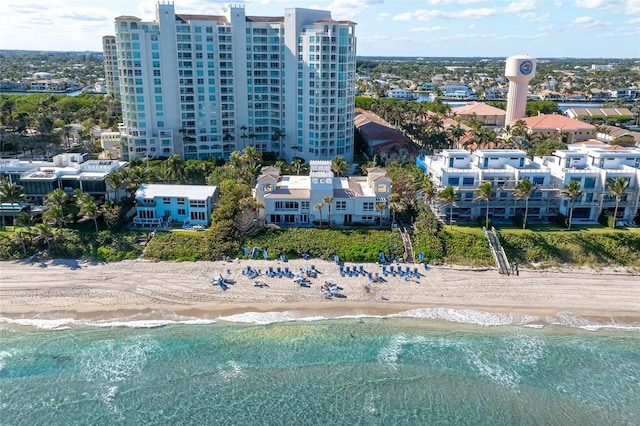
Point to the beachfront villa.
(292, 200)
(67, 171)
(159, 206)
(592, 165)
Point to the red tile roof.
(479, 109)
(556, 122)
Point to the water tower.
(519, 70)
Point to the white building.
(110, 143)
(398, 93)
(111, 65)
(66, 171)
(203, 86)
(160, 205)
(291, 200)
(592, 165)
(503, 168)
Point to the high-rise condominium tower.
(203, 86)
(520, 70)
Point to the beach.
(142, 290)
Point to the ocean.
(274, 369)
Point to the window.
(180, 200)
(453, 181)
(341, 205)
(286, 205)
(197, 216)
(166, 200)
(197, 203)
(182, 212)
(467, 181)
(367, 206)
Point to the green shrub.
(562, 220)
(518, 220)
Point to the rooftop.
(556, 121)
(193, 192)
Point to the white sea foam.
(42, 324)
(233, 371)
(4, 355)
(468, 316)
(116, 361)
(389, 353)
(494, 371)
(567, 319)
(67, 323)
(268, 317)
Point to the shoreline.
(140, 290)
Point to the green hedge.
(579, 248)
(361, 245)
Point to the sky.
(426, 28)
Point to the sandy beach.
(144, 290)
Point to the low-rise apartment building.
(592, 165)
(292, 200)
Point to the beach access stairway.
(406, 241)
(497, 251)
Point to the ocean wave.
(567, 319)
(468, 316)
(269, 317)
(67, 323)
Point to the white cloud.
(472, 26)
(634, 21)
(427, 29)
(350, 8)
(384, 15)
(588, 22)
(627, 7)
(534, 17)
(527, 6)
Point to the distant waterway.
(73, 93)
(562, 105)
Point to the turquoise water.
(370, 371)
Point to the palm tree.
(116, 181)
(617, 187)
(454, 133)
(251, 156)
(23, 222)
(339, 165)
(448, 196)
(381, 207)
(525, 189)
(88, 210)
(9, 193)
(45, 233)
(244, 135)
(296, 165)
(328, 200)
(571, 192)
(319, 207)
(173, 169)
(483, 193)
(57, 197)
(55, 215)
(277, 137)
(397, 205)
